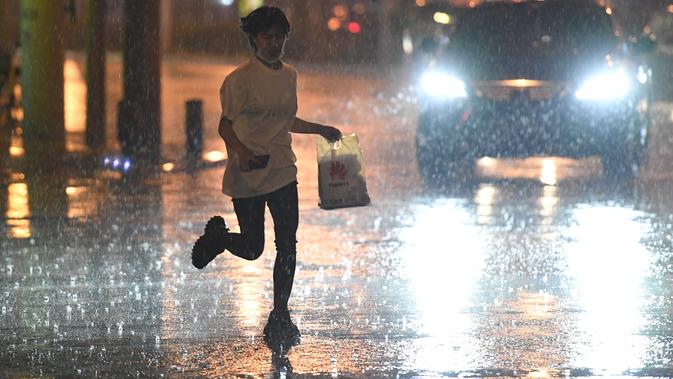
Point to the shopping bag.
(341, 173)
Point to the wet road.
(539, 267)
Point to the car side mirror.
(643, 45)
(428, 45)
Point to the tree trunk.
(42, 81)
(142, 81)
(95, 73)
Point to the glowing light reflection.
(548, 201)
(75, 97)
(16, 147)
(16, 151)
(249, 296)
(432, 264)
(536, 306)
(18, 211)
(76, 207)
(609, 265)
(484, 198)
(548, 172)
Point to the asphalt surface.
(537, 267)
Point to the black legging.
(249, 244)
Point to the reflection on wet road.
(538, 267)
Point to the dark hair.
(262, 19)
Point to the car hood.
(569, 68)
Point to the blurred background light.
(360, 8)
(441, 18)
(340, 11)
(247, 6)
(333, 24)
(214, 156)
(168, 166)
(354, 27)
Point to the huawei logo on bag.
(338, 171)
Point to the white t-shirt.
(262, 104)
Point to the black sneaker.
(280, 328)
(211, 243)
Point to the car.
(531, 78)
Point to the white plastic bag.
(341, 173)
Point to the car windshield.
(537, 27)
(532, 38)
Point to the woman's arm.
(226, 131)
(304, 127)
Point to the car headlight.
(612, 85)
(440, 85)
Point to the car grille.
(507, 90)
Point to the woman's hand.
(330, 133)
